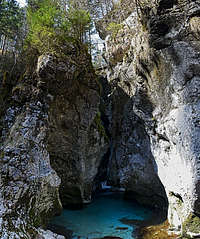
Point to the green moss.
(19, 87)
(191, 224)
(114, 28)
(100, 127)
(5, 76)
(3, 93)
(4, 96)
(2, 154)
(179, 202)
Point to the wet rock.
(60, 230)
(48, 235)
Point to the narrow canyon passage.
(109, 215)
(95, 92)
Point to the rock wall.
(154, 75)
(53, 139)
(76, 137)
(52, 142)
(29, 186)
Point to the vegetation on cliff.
(53, 26)
(191, 224)
(154, 71)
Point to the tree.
(42, 17)
(11, 21)
(12, 34)
(79, 21)
(53, 24)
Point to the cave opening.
(109, 215)
(84, 171)
(113, 212)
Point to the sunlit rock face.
(157, 78)
(29, 186)
(177, 153)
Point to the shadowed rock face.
(75, 142)
(155, 105)
(131, 164)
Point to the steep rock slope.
(29, 186)
(48, 121)
(154, 72)
(76, 137)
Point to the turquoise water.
(102, 218)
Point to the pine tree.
(53, 24)
(11, 21)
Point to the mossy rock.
(100, 126)
(2, 154)
(191, 224)
(114, 28)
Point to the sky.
(21, 2)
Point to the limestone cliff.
(29, 186)
(51, 144)
(76, 137)
(53, 141)
(154, 70)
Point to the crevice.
(162, 137)
(166, 4)
(102, 175)
(177, 195)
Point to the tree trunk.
(4, 45)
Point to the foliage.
(114, 28)
(100, 126)
(52, 26)
(12, 33)
(191, 224)
(96, 8)
(79, 21)
(41, 21)
(11, 18)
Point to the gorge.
(135, 123)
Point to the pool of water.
(103, 218)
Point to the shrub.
(114, 28)
(51, 27)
